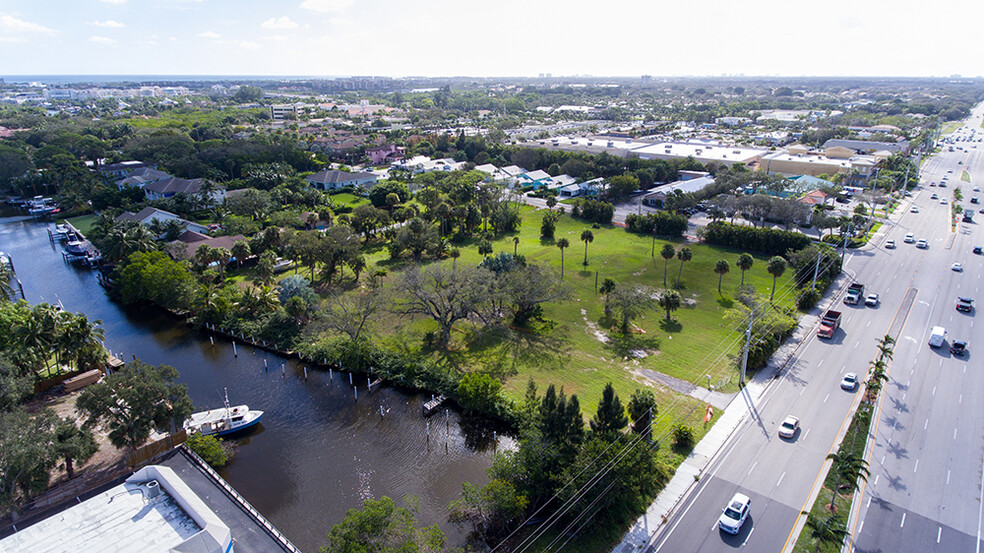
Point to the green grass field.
(573, 349)
(348, 200)
(950, 127)
(83, 223)
(965, 176)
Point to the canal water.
(320, 451)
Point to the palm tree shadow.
(726, 303)
(625, 345)
(507, 348)
(672, 326)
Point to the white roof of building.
(537, 175)
(513, 170)
(699, 151)
(685, 186)
(807, 158)
(126, 519)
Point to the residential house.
(560, 181)
(656, 197)
(495, 174)
(536, 179)
(123, 168)
(171, 186)
(332, 179)
(188, 243)
(148, 215)
(424, 164)
(867, 147)
(590, 188)
(385, 154)
(141, 177)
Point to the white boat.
(223, 421)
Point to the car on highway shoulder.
(890, 244)
(909, 238)
(789, 427)
(965, 304)
(849, 382)
(871, 300)
(922, 244)
(956, 267)
(735, 513)
(958, 348)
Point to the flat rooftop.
(120, 519)
(699, 151)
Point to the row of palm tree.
(848, 466)
(69, 338)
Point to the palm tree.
(454, 254)
(357, 264)
(669, 300)
(826, 531)
(745, 262)
(684, 255)
(515, 244)
(562, 243)
(485, 248)
(777, 266)
(607, 287)
(721, 268)
(587, 237)
(6, 277)
(849, 466)
(667, 253)
(885, 347)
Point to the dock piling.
(305, 373)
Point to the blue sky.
(503, 37)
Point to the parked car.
(849, 382)
(735, 513)
(789, 427)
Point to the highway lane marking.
(916, 468)
(873, 485)
(805, 434)
(862, 523)
(934, 390)
(941, 362)
(925, 424)
(903, 521)
(780, 479)
(856, 344)
(820, 363)
(954, 433)
(869, 324)
(753, 467)
(748, 536)
(869, 503)
(826, 398)
(947, 478)
(938, 534)
(883, 460)
(803, 390)
(960, 399)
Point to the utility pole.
(744, 357)
(850, 230)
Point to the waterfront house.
(148, 215)
(332, 179)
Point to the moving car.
(735, 514)
(909, 238)
(871, 300)
(890, 244)
(937, 336)
(849, 382)
(935, 196)
(942, 201)
(956, 267)
(915, 209)
(958, 348)
(965, 304)
(922, 244)
(789, 427)
(974, 200)
(978, 250)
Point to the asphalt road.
(917, 291)
(924, 492)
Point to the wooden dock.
(433, 405)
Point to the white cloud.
(279, 23)
(12, 39)
(108, 23)
(326, 5)
(247, 45)
(275, 37)
(209, 34)
(9, 23)
(117, 2)
(101, 39)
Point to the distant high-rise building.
(541, 75)
(549, 75)
(646, 79)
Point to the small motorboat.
(224, 421)
(75, 247)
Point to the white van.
(937, 336)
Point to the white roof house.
(560, 181)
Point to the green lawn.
(965, 176)
(573, 349)
(348, 200)
(83, 223)
(950, 127)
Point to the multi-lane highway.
(927, 462)
(924, 492)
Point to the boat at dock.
(76, 247)
(223, 421)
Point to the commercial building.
(656, 196)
